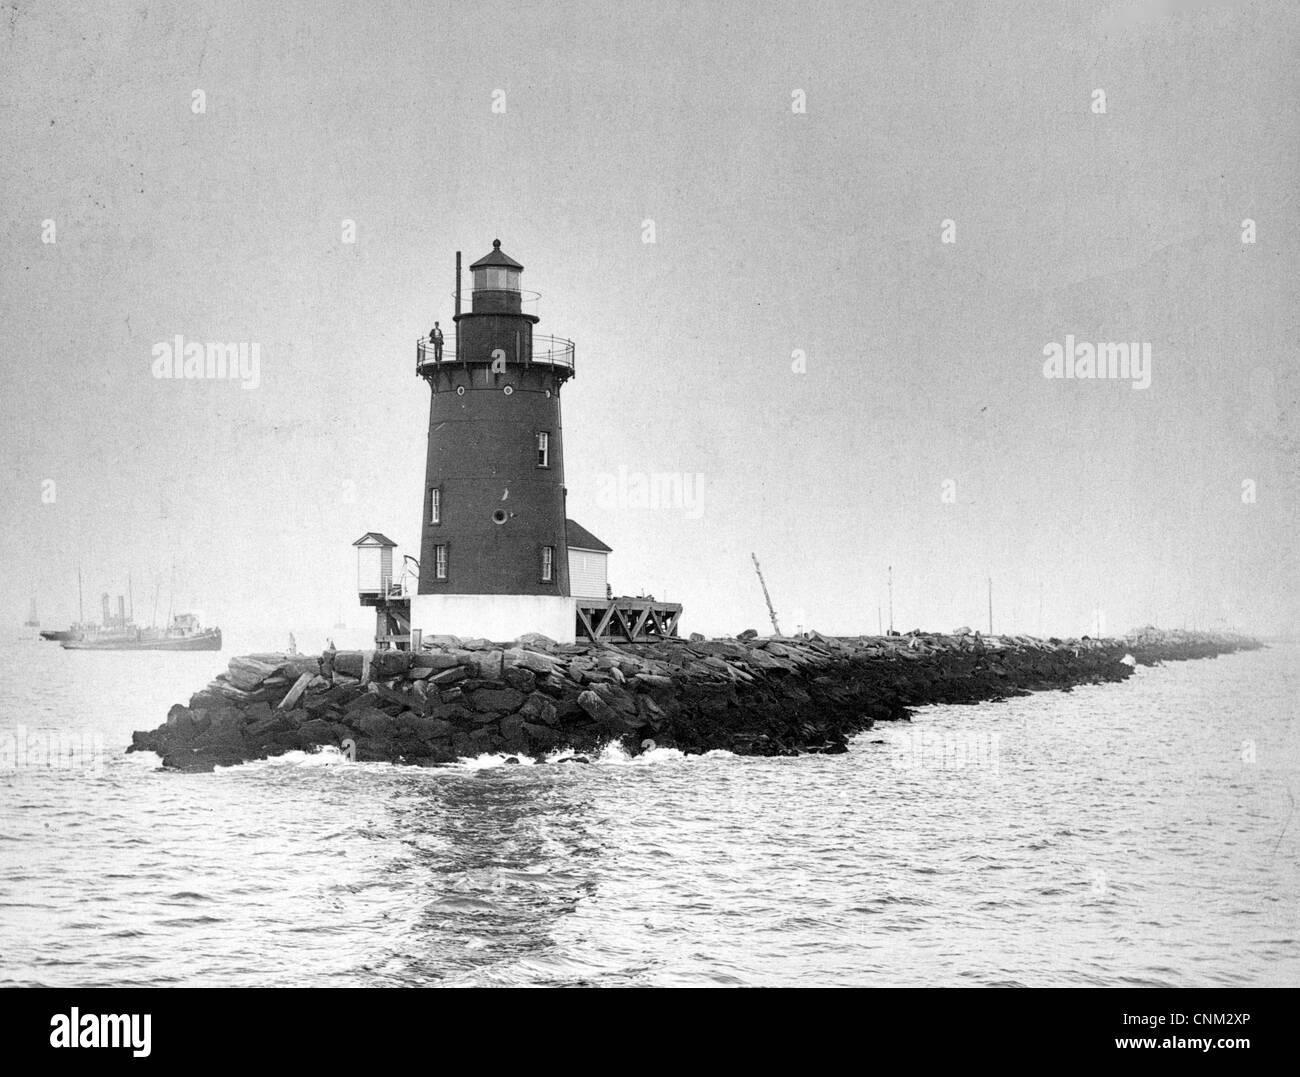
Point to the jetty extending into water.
(458, 699)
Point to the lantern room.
(496, 283)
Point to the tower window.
(440, 562)
(435, 505)
(543, 449)
(548, 564)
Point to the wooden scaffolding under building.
(626, 620)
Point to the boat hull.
(59, 635)
(209, 640)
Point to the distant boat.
(32, 620)
(61, 634)
(184, 634)
(79, 630)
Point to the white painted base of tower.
(495, 617)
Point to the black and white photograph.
(666, 494)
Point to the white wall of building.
(374, 565)
(588, 573)
(495, 617)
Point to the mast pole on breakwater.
(766, 597)
(891, 598)
(990, 605)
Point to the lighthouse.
(494, 559)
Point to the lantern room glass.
(496, 279)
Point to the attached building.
(588, 562)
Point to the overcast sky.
(776, 232)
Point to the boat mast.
(171, 595)
(81, 613)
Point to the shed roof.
(374, 538)
(579, 538)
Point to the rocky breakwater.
(1153, 646)
(463, 698)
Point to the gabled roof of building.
(374, 538)
(497, 258)
(579, 538)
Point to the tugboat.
(183, 634)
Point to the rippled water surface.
(1129, 834)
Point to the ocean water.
(1120, 835)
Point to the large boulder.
(225, 730)
(423, 727)
(720, 647)
(503, 700)
(349, 663)
(529, 660)
(295, 665)
(402, 697)
(617, 698)
(648, 681)
(552, 684)
(600, 711)
(316, 732)
(247, 673)
(523, 679)
(538, 708)
(440, 659)
(390, 663)
(512, 729)
(456, 713)
(373, 722)
(540, 736)
(201, 760)
(486, 664)
(179, 716)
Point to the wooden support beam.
(646, 614)
(603, 626)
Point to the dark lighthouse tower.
(493, 554)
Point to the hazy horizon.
(921, 433)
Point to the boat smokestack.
(121, 611)
(106, 616)
(458, 284)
